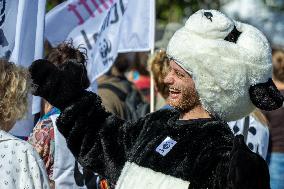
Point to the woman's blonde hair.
(14, 85)
(260, 117)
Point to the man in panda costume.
(220, 71)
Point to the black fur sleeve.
(241, 168)
(226, 162)
(246, 168)
(98, 139)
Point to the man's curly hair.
(14, 86)
(159, 65)
(66, 51)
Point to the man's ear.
(266, 96)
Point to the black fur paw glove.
(61, 84)
(247, 170)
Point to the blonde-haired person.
(20, 165)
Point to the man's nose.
(169, 78)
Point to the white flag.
(104, 27)
(21, 40)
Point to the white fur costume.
(223, 71)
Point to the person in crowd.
(114, 87)
(55, 154)
(220, 71)
(254, 127)
(20, 165)
(139, 74)
(276, 126)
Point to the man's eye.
(179, 74)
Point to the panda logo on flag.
(105, 48)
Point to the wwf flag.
(104, 27)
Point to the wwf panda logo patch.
(166, 146)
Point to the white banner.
(21, 40)
(21, 30)
(104, 27)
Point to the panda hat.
(230, 63)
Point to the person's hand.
(247, 170)
(59, 85)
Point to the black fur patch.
(233, 35)
(266, 96)
(246, 169)
(208, 15)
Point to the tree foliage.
(52, 3)
(178, 10)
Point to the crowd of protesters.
(185, 143)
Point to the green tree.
(52, 3)
(178, 10)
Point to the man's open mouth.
(174, 92)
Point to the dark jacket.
(110, 100)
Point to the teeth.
(174, 89)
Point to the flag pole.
(153, 24)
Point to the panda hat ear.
(266, 96)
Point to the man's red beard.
(189, 99)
